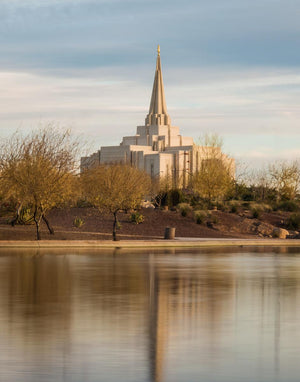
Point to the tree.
(285, 177)
(160, 188)
(215, 177)
(38, 170)
(115, 187)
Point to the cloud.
(247, 108)
(230, 67)
(45, 35)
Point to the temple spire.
(158, 114)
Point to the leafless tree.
(285, 177)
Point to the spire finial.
(158, 114)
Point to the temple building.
(157, 147)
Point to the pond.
(219, 315)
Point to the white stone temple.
(157, 147)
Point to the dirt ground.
(98, 226)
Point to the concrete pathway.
(178, 242)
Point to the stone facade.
(157, 147)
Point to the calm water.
(161, 316)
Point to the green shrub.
(136, 218)
(258, 208)
(294, 222)
(288, 205)
(175, 197)
(215, 219)
(225, 208)
(234, 208)
(256, 213)
(161, 199)
(266, 207)
(246, 205)
(220, 206)
(200, 216)
(184, 208)
(78, 222)
(82, 203)
(195, 200)
(26, 216)
(200, 205)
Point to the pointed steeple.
(158, 114)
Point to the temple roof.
(158, 114)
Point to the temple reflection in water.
(149, 317)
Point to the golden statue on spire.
(158, 50)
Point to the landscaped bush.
(200, 204)
(175, 197)
(161, 199)
(78, 222)
(184, 208)
(294, 222)
(221, 206)
(258, 208)
(200, 216)
(288, 205)
(26, 216)
(83, 203)
(256, 213)
(265, 207)
(195, 200)
(215, 219)
(246, 205)
(224, 207)
(136, 218)
(234, 208)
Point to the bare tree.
(261, 184)
(285, 177)
(115, 187)
(215, 177)
(38, 170)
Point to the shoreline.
(160, 243)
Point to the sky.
(230, 67)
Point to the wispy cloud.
(52, 34)
(230, 67)
(237, 104)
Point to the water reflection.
(225, 315)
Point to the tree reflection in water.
(162, 316)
